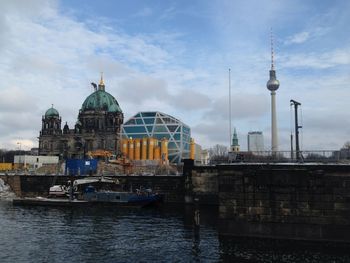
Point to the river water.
(167, 234)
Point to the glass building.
(160, 125)
(255, 141)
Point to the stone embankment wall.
(285, 201)
(204, 185)
(295, 201)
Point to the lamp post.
(20, 148)
(297, 127)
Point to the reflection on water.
(268, 250)
(169, 234)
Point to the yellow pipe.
(192, 149)
(144, 149)
(125, 147)
(137, 149)
(157, 153)
(131, 149)
(150, 148)
(164, 149)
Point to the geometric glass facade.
(159, 125)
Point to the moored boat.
(93, 191)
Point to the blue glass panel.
(160, 136)
(139, 121)
(149, 120)
(149, 128)
(177, 136)
(171, 145)
(160, 129)
(131, 121)
(135, 129)
(186, 130)
(174, 158)
(148, 114)
(137, 115)
(172, 128)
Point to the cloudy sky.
(174, 56)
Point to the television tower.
(272, 85)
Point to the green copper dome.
(52, 112)
(101, 100)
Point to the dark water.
(38, 234)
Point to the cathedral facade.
(97, 128)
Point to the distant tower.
(255, 141)
(234, 145)
(272, 85)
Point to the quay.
(297, 201)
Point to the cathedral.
(97, 128)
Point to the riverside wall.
(308, 202)
(286, 201)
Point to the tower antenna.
(229, 105)
(272, 51)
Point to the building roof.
(101, 100)
(52, 112)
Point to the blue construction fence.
(81, 166)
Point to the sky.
(174, 57)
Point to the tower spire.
(234, 143)
(101, 81)
(101, 85)
(272, 51)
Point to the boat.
(92, 191)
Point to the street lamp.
(20, 148)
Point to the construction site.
(145, 157)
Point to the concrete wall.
(205, 185)
(309, 202)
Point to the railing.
(324, 156)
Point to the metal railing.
(321, 156)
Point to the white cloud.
(49, 57)
(144, 12)
(298, 38)
(319, 60)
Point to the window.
(160, 129)
(148, 120)
(172, 128)
(135, 129)
(148, 114)
(132, 121)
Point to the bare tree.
(218, 150)
(346, 145)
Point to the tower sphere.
(273, 84)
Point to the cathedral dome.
(101, 100)
(52, 112)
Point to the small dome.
(101, 100)
(52, 112)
